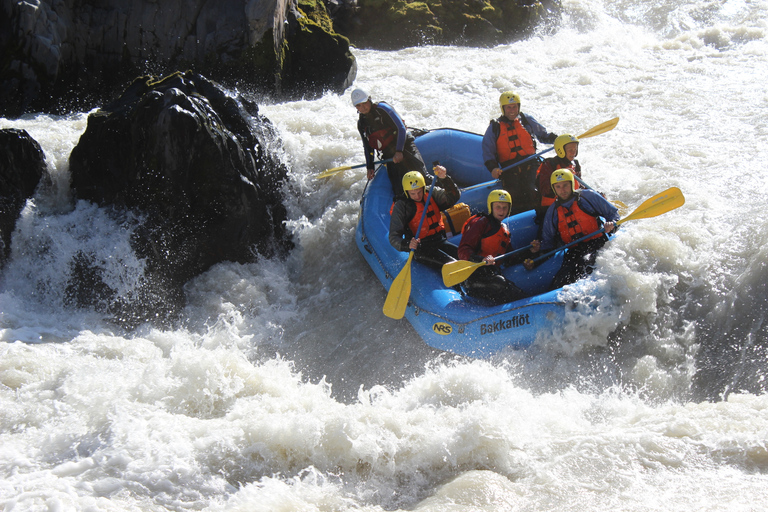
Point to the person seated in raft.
(485, 237)
(573, 215)
(566, 150)
(509, 139)
(383, 130)
(430, 246)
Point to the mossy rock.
(394, 24)
(313, 58)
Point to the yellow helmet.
(561, 141)
(498, 196)
(559, 176)
(413, 180)
(507, 98)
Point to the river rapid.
(283, 387)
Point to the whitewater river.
(285, 388)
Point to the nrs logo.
(442, 328)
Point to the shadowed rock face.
(63, 55)
(22, 166)
(194, 164)
(395, 24)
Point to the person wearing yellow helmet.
(484, 238)
(510, 139)
(383, 131)
(566, 150)
(574, 215)
(429, 245)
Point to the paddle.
(331, 172)
(400, 291)
(595, 130)
(459, 271)
(660, 203)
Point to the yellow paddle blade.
(620, 206)
(660, 203)
(601, 128)
(330, 172)
(459, 271)
(399, 292)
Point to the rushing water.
(284, 387)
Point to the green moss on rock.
(392, 24)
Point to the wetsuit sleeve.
(550, 238)
(398, 122)
(367, 149)
(537, 130)
(448, 193)
(399, 233)
(470, 241)
(600, 205)
(489, 148)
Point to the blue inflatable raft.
(445, 318)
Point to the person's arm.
(399, 234)
(367, 149)
(538, 131)
(448, 194)
(549, 234)
(600, 205)
(489, 149)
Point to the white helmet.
(359, 96)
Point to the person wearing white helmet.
(430, 245)
(383, 131)
(484, 237)
(574, 215)
(509, 139)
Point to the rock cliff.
(63, 55)
(395, 24)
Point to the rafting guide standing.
(383, 130)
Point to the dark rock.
(395, 24)
(65, 55)
(194, 164)
(22, 166)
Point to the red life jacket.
(574, 223)
(514, 142)
(433, 221)
(543, 175)
(380, 139)
(491, 243)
